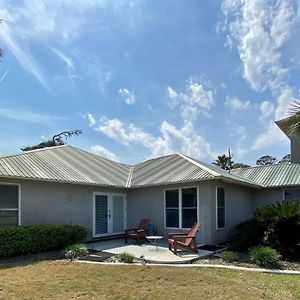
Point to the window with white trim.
(292, 194)
(9, 204)
(220, 208)
(181, 207)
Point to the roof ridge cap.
(34, 150)
(128, 183)
(199, 165)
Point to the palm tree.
(292, 123)
(223, 161)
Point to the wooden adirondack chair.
(184, 240)
(137, 233)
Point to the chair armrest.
(176, 233)
(180, 237)
(128, 230)
(140, 230)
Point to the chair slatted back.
(144, 223)
(192, 232)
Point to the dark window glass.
(189, 217)
(189, 197)
(172, 208)
(172, 217)
(172, 198)
(292, 195)
(220, 207)
(8, 217)
(9, 198)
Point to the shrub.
(74, 251)
(16, 240)
(264, 256)
(229, 256)
(248, 234)
(282, 227)
(126, 257)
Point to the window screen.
(172, 208)
(9, 201)
(220, 207)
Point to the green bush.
(74, 251)
(281, 222)
(264, 256)
(15, 240)
(248, 234)
(229, 256)
(126, 257)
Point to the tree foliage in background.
(57, 140)
(239, 165)
(224, 162)
(285, 159)
(266, 160)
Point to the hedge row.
(16, 240)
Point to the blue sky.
(149, 78)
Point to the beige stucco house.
(67, 185)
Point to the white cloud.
(170, 140)
(91, 119)
(99, 150)
(273, 136)
(194, 100)
(259, 29)
(237, 104)
(43, 23)
(25, 115)
(267, 109)
(127, 96)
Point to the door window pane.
(101, 209)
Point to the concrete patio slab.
(150, 253)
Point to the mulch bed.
(244, 261)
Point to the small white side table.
(154, 239)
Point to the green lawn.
(63, 280)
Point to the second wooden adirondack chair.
(184, 240)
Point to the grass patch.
(63, 280)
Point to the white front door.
(109, 214)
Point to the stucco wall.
(149, 203)
(267, 196)
(238, 208)
(57, 203)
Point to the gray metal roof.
(73, 165)
(284, 174)
(64, 164)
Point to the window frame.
(217, 213)
(286, 189)
(19, 201)
(180, 206)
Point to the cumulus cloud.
(91, 119)
(237, 104)
(267, 109)
(260, 28)
(196, 99)
(170, 140)
(99, 150)
(127, 96)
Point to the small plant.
(126, 257)
(74, 251)
(264, 256)
(229, 256)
